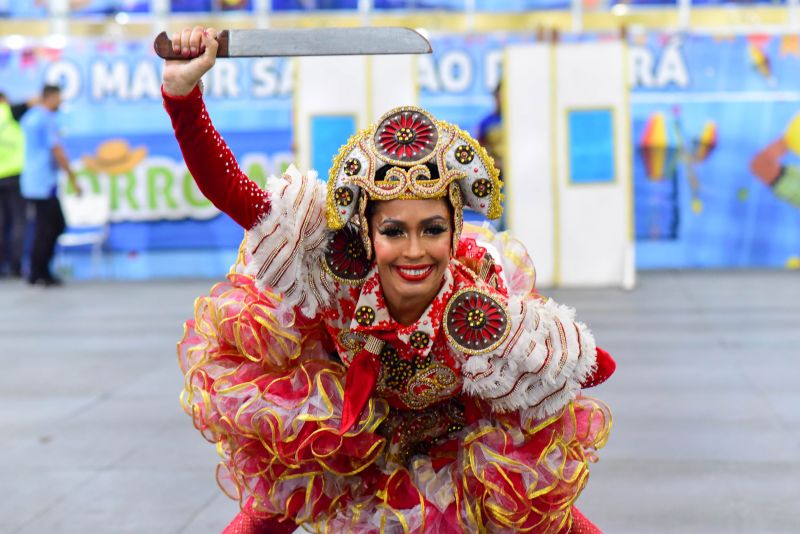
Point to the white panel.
(595, 219)
(393, 83)
(327, 85)
(361, 86)
(528, 172)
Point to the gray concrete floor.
(706, 435)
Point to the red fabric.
(581, 525)
(401, 492)
(211, 162)
(471, 254)
(605, 368)
(362, 375)
(249, 522)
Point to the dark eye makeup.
(434, 229)
(430, 229)
(390, 231)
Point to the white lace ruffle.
(288, 244)
(541, 364)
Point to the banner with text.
(716, 141)
(121, 143)
(716, 133)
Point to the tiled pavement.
(706, 434)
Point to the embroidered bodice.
(481, 335)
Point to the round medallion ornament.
(343, 196)
(482, 187)
(365, 316)
(419, 340)
(346, 258)
(352, 166)
(406, 136)
(475, 322)
(465, 154)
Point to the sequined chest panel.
(408, 379)
(420, 364)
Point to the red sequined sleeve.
(211, 162)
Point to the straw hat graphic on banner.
(115, 156)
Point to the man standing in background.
(490, 136)
(44, 156)
(490, 130)
(12, 205)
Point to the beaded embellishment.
(365, 316)
(419, 340)
(352, 343)
(405, 136)
(394, 158)
(475, 322)
(418, 382)
(346, 259)
(413, 432)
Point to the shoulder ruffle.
(512, 262)
(287, 245)
(541, 363)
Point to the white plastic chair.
(88, 223)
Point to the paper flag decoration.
(760, 61)
(658, 147)
(707, 142)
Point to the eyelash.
(435, 230)
(397, 232)
(391, 232)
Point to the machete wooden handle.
(163, 46)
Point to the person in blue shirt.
(490, 136)
(44, 156)
(490, 131)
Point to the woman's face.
(411, 239)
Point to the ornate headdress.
(408, 154)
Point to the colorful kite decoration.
(658, 147)
(663, 147)
(706, 143)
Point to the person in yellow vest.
(12, 205)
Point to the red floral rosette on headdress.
(408, 154)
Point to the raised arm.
(207, 156)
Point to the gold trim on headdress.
(408, 140)
(483, 182)
(408, 184)
(458, 214)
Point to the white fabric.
(288, 244)
(540, 365)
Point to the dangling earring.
(363, 225)
(456, 202)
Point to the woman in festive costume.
(371, 365)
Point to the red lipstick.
(414, 273)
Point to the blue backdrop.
(701, 108)
(704, 207)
